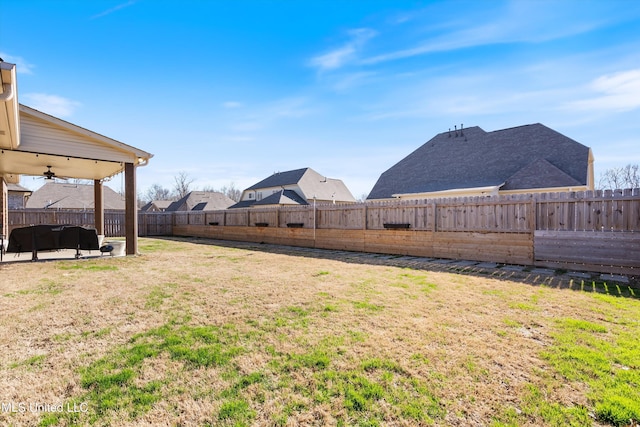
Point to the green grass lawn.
(191, 333)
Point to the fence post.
(533, 221)
(434, 226)
(365, 222)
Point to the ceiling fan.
(48, 174)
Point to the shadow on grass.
(558, 279)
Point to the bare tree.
(157, 192)
(81, 181)
(619, 178)
(231, 192)
(228, 190)
(182, 184)
(363, 197)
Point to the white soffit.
(14, 162)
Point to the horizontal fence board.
(491, 247)
(598, 268)
(348, 240)
(591, 250)
(481, 247)
(399, 242)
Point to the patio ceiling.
(14, 163)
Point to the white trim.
(491, 190)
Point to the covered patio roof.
(69, 151)
(35, 143)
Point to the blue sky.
(232, 91)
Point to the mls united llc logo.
(22, 407)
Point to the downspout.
(7, 92)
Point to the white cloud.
(113, 9)
(518, 22)
(22, 66)
(232, 104)
(342, 55)
(615, 92)
(51, 104)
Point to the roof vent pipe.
(461, 130)
(7, 92)
(456, 128)
(449, 132)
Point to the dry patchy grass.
(191, 333)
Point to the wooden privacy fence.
(616, 211)
(149, 224)
(591, 230)
(507, 216)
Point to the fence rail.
(578, 230)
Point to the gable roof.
(204, 200)
(158, 204)
(539, 174)
(310, 182)
(280, 178)
(309, 185)
(317, 186)
(472, 158)
(57, 195)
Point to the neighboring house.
(201, 201)
(17, 196)
(56, 195)
(296, 187)
(156, 206)
(472, 162)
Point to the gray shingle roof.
(539, 174)
(280, 178)
(307, 181)
(56, 195)
(158, 204)
(283, 197)
(529, 156)
(213, 201)
(243, 204)
(17, 188)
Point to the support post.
(4, 212)
(131, 209)
(98, 204)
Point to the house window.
(251, 195)
(259, 195)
